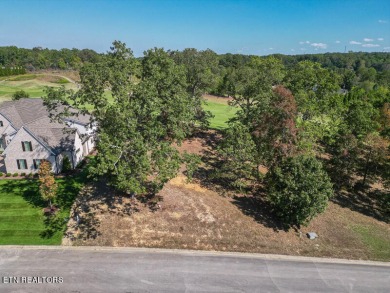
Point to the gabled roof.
(32, 115)
(57, 139)
(24, 111)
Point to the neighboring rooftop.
(25, 111)
(32, 115)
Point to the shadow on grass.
(27, 188)
(53, 224)
(260, 210)
(373, 203)
(95, 199)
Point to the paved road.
(143, 270)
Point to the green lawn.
(377, 241)
(21, 211)
(222, 113)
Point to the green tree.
(21, 94)
(298, 189)
(237, 153)
(47, 184)
(150, 108)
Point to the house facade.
(28, 136)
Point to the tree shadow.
(251, 200)
(96, 199)
(53, 224)
(206, 174)
(370, 202)
(366, 199)
(260, 210)
(27, 188)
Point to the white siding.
(5, 124)
(14, 151)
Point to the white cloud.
(382, 21)
(370, 45)
(301, 43)
(303, 49)
(380, 39)
(368, 40)
(293, 50)
(319, 45)
(355, 43)
(337, 42)
(386, 48)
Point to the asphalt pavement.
(91, 269)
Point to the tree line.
(42, 58)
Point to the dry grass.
(192, 216)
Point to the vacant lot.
(193, 216)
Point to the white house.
(27, 136)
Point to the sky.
(259, 27)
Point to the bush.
(15, 175)
(1, 174)
(23, 174)
(298, 190)
(66, 165)
(8, 175)
(20, 95)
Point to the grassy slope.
(31, 83)
(21, 216)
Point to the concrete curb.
(196, 253)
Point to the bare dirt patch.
(197, 216)
(193, 217)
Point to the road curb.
(280, 257)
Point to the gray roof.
(33, 116)
(58, 139)
(24, 111)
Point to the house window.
(26, 146)
(37, 163)
(1, 123)
(22, 164)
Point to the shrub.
(20, 95)
(66, 165)
(298, 190)
(15, 175)
(1, 174)
(8, 175)
(23, 174)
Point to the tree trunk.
(366, 168)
